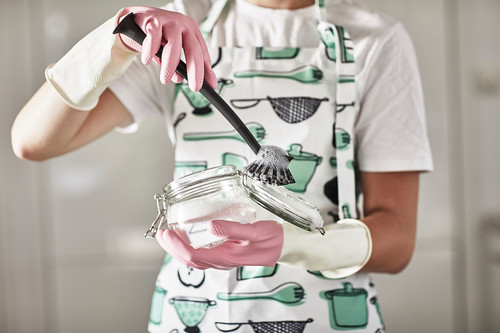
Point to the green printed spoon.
(286, 293)
(255, 128)
(304, 74)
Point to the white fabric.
(83, 73)
(388, 82)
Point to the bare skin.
(47, 127)
(390, 207)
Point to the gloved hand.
(178, 32)
(253, 244)
(343, 250)
(85, 71)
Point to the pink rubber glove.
(252, 244)
(177, 32)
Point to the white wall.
(479, 79)
(21, 288)
(72, 256)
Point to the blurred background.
(72, 255)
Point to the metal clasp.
(161, 204)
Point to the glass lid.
(285, 204)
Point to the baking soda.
(190, 218)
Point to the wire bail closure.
(161, 218)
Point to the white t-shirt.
(390, 127)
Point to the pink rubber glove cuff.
(254, 244)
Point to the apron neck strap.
(213, 15)
(345, 112)
(320, 8)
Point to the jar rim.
(196, 178)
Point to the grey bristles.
(270, 166)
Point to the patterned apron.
(301, 99)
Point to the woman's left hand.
(254, 244)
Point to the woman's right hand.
(176, 32)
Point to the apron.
(301, 99)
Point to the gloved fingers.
(223, 228)
(152, 42)
(194, 60)
(177, 78)
(127, 41)
(215, 257)
(160, 239)
(144, 17)
(223, 256)
(130, 43)
(170, 59)
(236, 253)
(210, 76)
(179, 32)
(230, 254)
(175, 246)
(197, 258)
(259, 243)
(256, 231)
(146, 50)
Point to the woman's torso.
(287, 97)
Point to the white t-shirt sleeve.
(390, 127)
(140, 91)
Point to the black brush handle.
(129, 28)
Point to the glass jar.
(224, 193)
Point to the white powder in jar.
(190, 218)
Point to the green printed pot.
(348, 307)
(255, 272)
(302, 167)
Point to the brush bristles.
(270, 167)
(262, 172)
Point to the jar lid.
(276, 199)
(285, 204)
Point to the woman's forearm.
(47, 127)
(393, 243)
(390, 205)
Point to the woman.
(317, 77)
